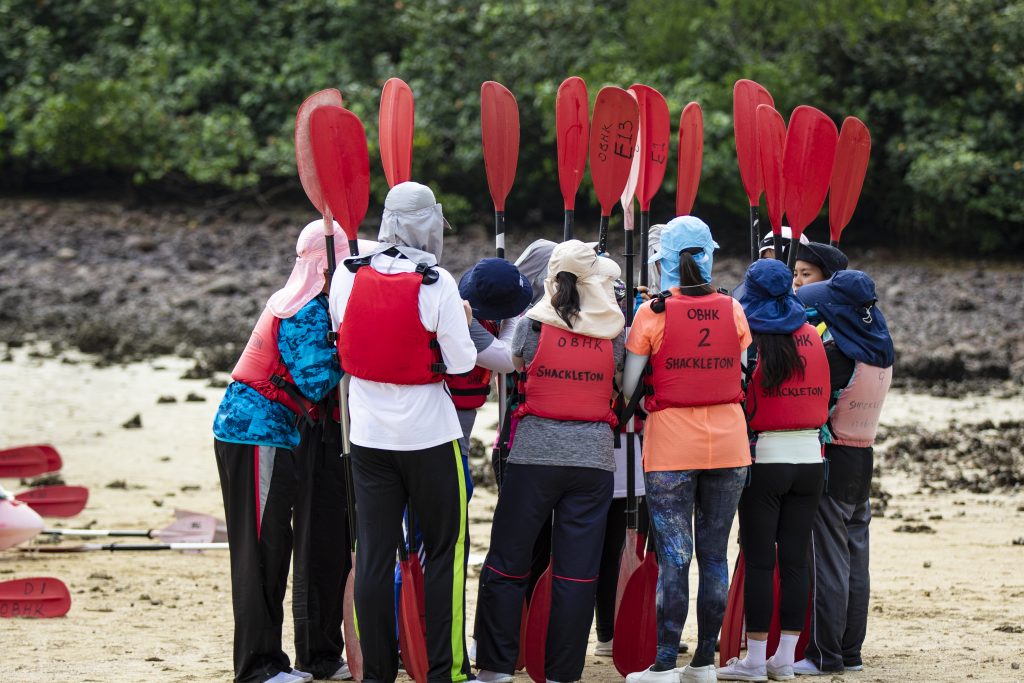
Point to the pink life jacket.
(260, 367)
(382, 338)
(571, 377)
(858, 407)
(801, 402)
(698, 363)
(469, 391)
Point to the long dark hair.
(566, 300)
(690, 279)
(778, 358)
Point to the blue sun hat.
(847, 304)
(768, 299)
(495, 290)
(684, 232)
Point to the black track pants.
(579, 498)
(432, 480)
(611, 555)
(259, 485)
(776, 513)
(322, 550)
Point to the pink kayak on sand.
(18, 523)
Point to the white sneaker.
(485, 676)
(806, 667)
(855, 667)
(301, 675)
(698, 674)
(283, 677)
(342, 674)
(603, 649)
(779, 672)
(648, 676)
(737, 669)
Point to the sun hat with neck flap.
(600, 315)
(412, 218)
(307, 277)
(768, 300)
(684, 232)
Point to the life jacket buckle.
(438, 368)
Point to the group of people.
(766, 403)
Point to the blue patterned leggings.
(675, 499)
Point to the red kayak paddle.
(38, 597)
(395, 127)
(29, 461)
(852, 154)
(771, 141)
(807, 162)
(572, 129)
(635, 645)
(343, 166)
(691, 157)
(499, 128)
(537, 616)
(56, 501)
(612, 142)
(746, 96)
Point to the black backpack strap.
(295, 395)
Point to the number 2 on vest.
(704, 333)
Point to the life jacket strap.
(295, 395)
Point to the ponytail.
(778, 358)
(690, 279)
(566, 300)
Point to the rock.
(198, 371)
(66, 253)
(225, 285)
(118, 484)
(963, 303)
(217, 383)
(143, 243)
(134, 423)
(1018, 541)
(1010, 628)
(167, 399)
(914, 529)
(194, 398)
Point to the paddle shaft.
(833, 243)
(602, 235)
(645, 227)
(570, 215)
(499, 233)
(777, 245)
(631, 511)
(754, 216)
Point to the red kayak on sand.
(18, 522)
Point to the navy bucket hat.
(846, 303)
(495, 290)
(768, 300)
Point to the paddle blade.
(537, 616)
(691, 157)
(635, 644)
(353, 650)
(56, 501)
(499, 127)
(342, 164)
(304, 146)
(18, 523)
(612, 142)
(654, 136)
(852, 154)
(572, 127)
(38, 597)
(395, 127)
(746, 96)
(410, 630)
(221, 534)
(191, 529)
(771, 140)
(629, 562)
(28, 461)
(732, 624)
(807, 161)
(629, 191)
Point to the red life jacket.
(858, 406)
(382, 338)
(469, 391)
(260, 367)
(570, 378)
(801, 402)
(698, 362)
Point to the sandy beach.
(947, 606)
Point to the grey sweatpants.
(841, 588)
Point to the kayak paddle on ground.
(654, 141)
(746, 96)
(691, 157)
(29, 461)
(852, 154)
(411, 639)
(130, 547)
(499, 128)
(56, 501)
(635, 645)
(395, 127)
(613, 134)
(771, 141)
(40, 597)
(807, 163)
(572, 130)
(195, 529)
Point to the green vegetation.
(197, 97)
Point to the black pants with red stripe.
(322, 550)
(579, 498)
(432, 481)
(259, 485)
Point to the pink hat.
(307, 278)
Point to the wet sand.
(938, 599)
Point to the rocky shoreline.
(130, 284)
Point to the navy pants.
(675, 500)
(579, 498)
